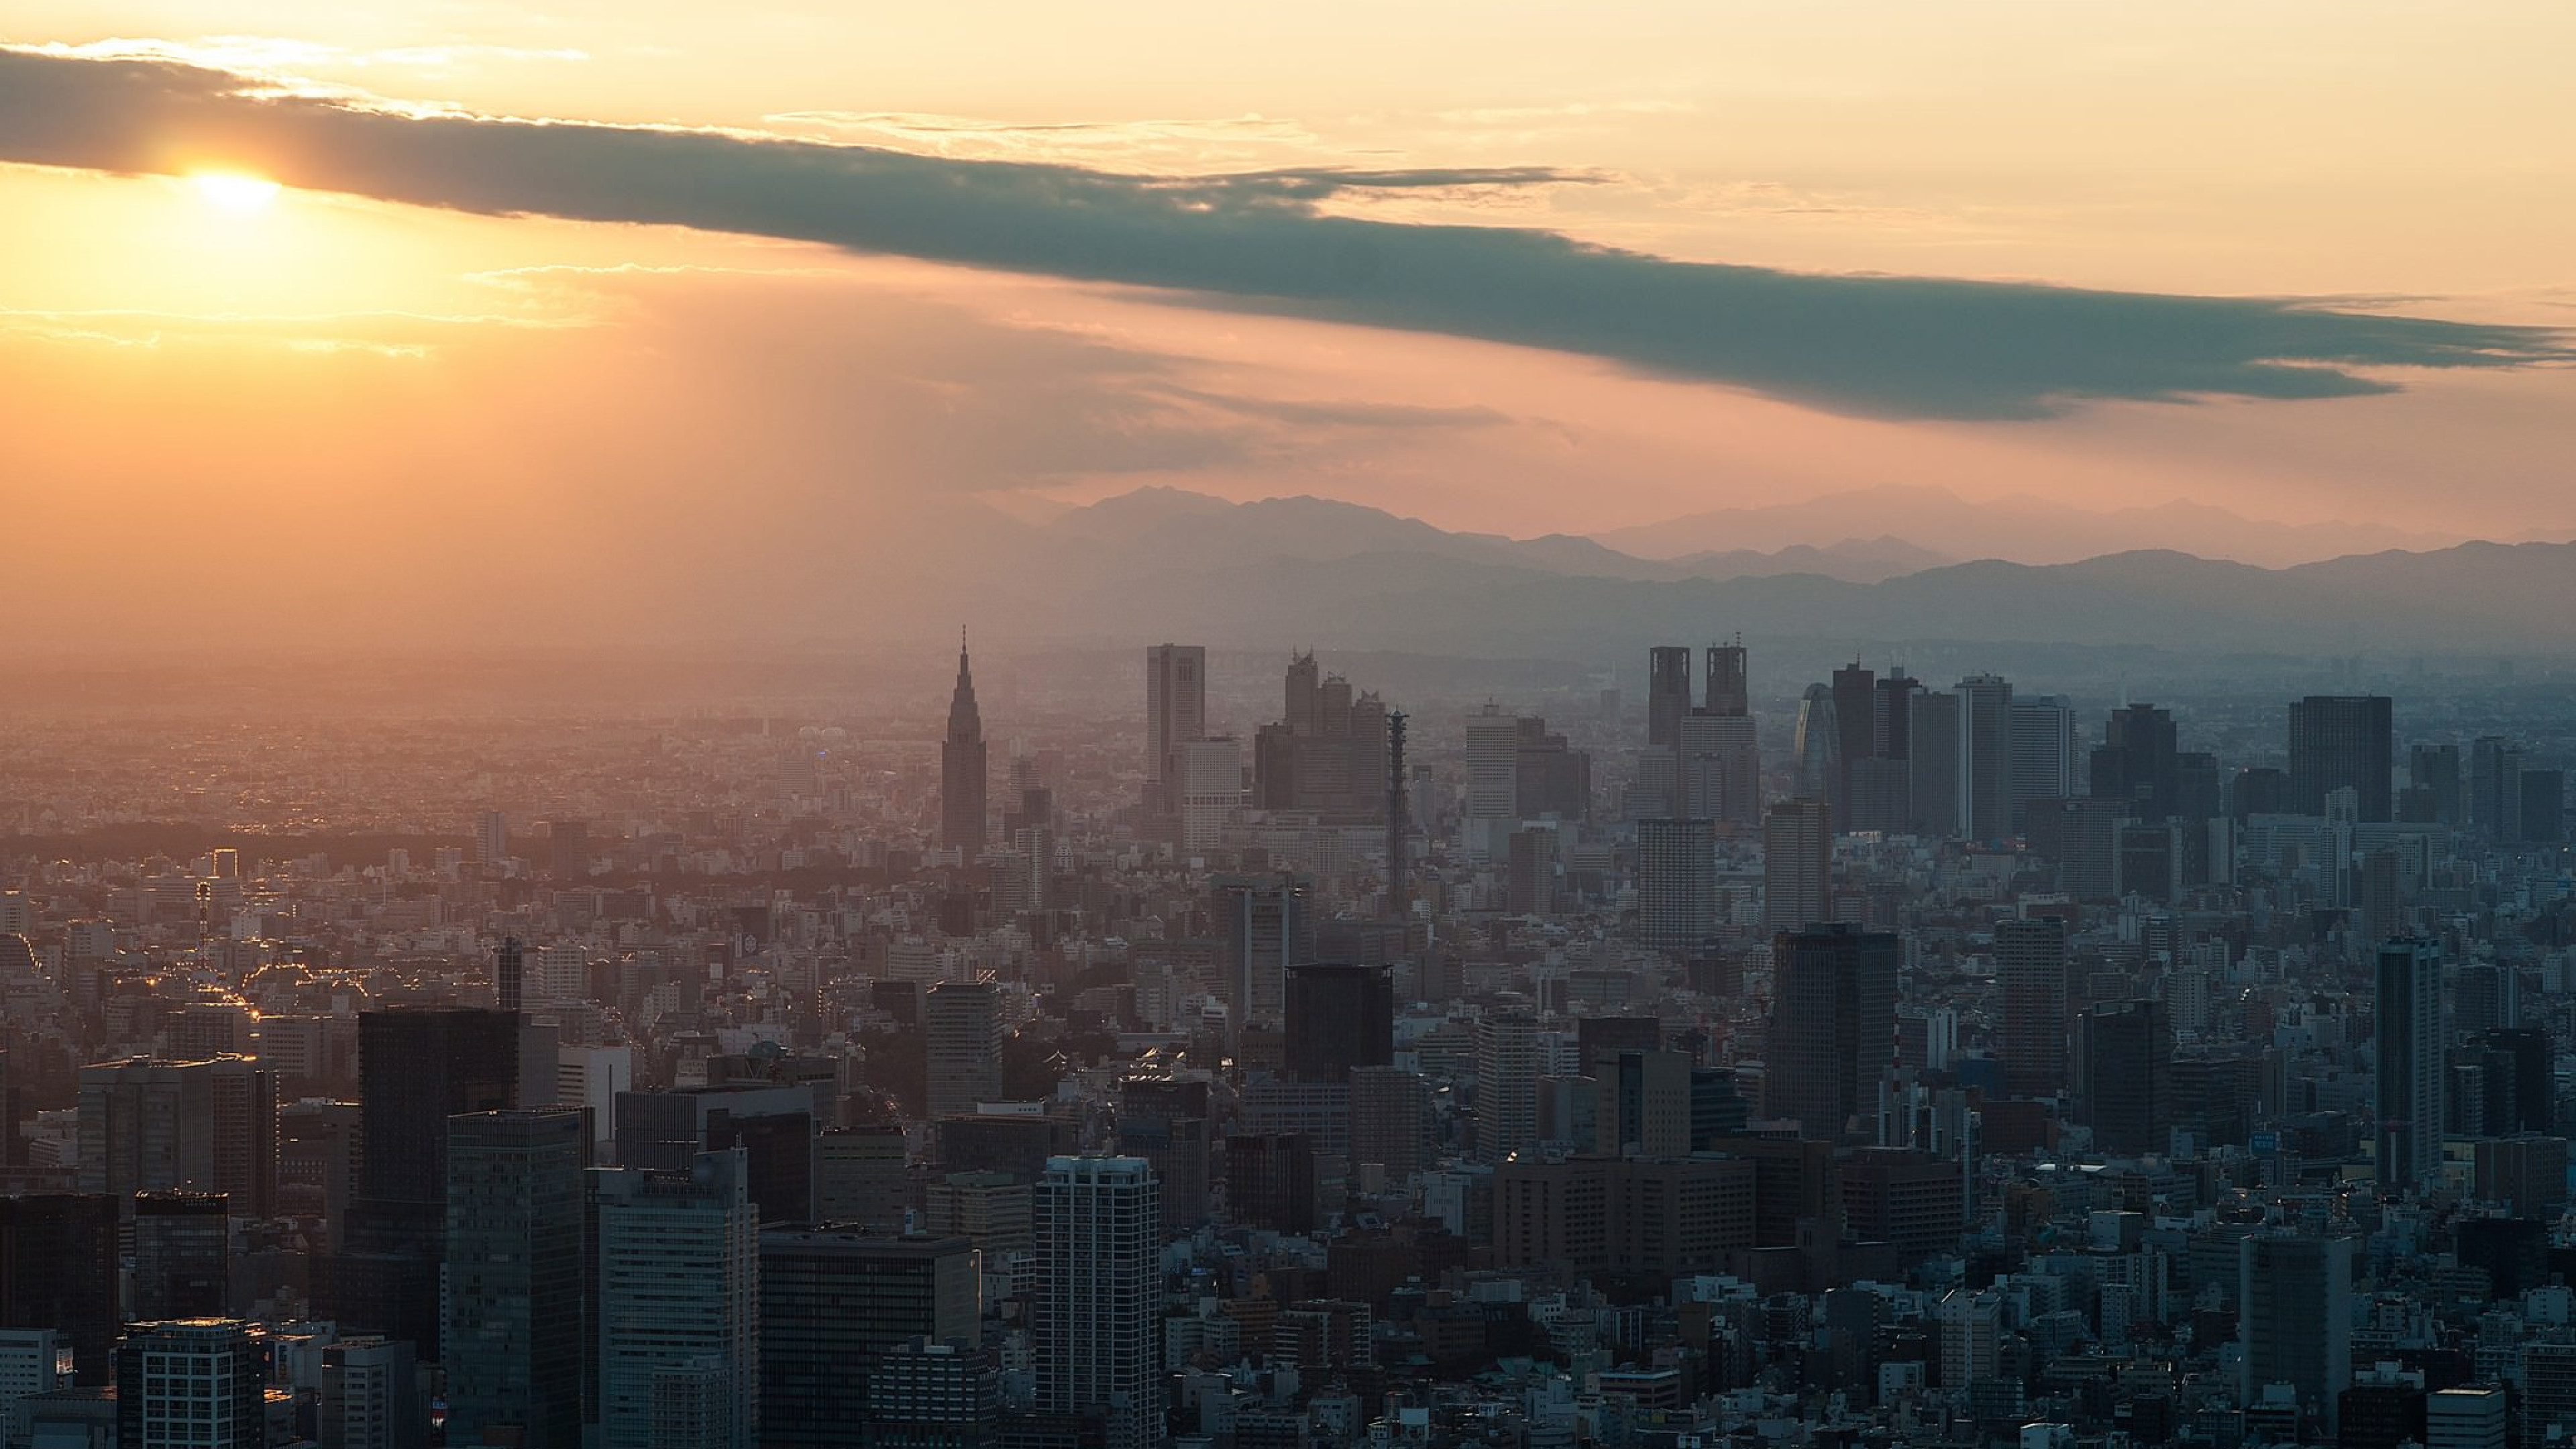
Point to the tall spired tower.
(962, 773)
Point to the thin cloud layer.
(1263, 242)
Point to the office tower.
(833, 1303)
(2408, 1011)
(1855, 692)
(1507, 1071)
(2081, 837)
(509, 974)
(1730, 693)
(1677, 905)
(1339, 1018)
(2542, 804)
(1797, 864)
(1329, 755)
(964, 770)
(2467, 1417)
(862, 1178)
(1833, 1027)
(1817, 746)
(2126, 1056)
(1668, 693)
(182, 1255)
(58, 1270)
(568, 849)
(679, 1304)
(1399, 824)
(370, 1396)
(1492, 800)
(1552, 778)
(148, 1125)
(515, 1250)
(1268, 927)
(2030, 974)
(1175, 712)
(2138, 762)
(2528, 1059)
(1206, 790)
(491, 840)
(200, 1384)
(963, 1046)
(1530, 877)
(2341, 742)
(772, 1124)
(29, 1365)
(1165, 1120)
(1934, 721)
(2043, 763)
(1985, 756)
(1270, 1181)
(318, 1157)
(1641, 1102)
(1095, 1335)
(2434, 772)
(2294, 1319)
(1391, 1120)
(926, 1395)
(1717, 769)
(417, 1068)
(2495, 789)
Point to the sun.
(234, 191)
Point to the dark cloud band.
(1887, 346)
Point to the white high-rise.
(679, 1303)
(1097, 1340)
(1493, 780)
(1208, 790)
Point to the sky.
(480, 295)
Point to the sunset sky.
(779, 271)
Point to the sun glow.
(234, 192)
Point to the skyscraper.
(371, 1396)
(58, 1270)
(1206, 791)
(197, 1384)
(1507, 1073)
(1492, 800)
(2138, 762)
(1856, 722)
(1985, 756)
(2043, 754)
(1833, 1027)
(965, 773)
(833, 1302)
(963, 1022)
(1339, 1018)
(1933, 721)
(516, 1249)
(2408, 1011)
(1797, 864)
(1677, 905)
(2127, 1055)
(1668, 693)
(1730, 693)
(2339, 742)
(1717, 769)
(2294, 1318)
(1818, 746)
(1095, 1335)
(1175, 713)
(2030, 973)
(182, 1255)
(1269, 926)
(148, 1125)
(679, 1305)
(2495, 791)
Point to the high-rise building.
(2340, 742)
(196, 1384)
(1717, 769)
(1677, 903)
(1986, 756)
(568, 849)
(1935, 725)
(1270, 1181)
(1833, 1027)
(2137, 762)
(963, 1046)
(1730, 692)
(965, 770)
(1507, 1072)
(148, 1125)
(2294, 1319)
(1175, 713)
(1797, 864)
(1269, 926)
(491, 840)
(862, 1178)
(2495, 788)
(1530, 874)
(58, 1270)
(2030, 975)
(1668, 693)
(1206, 790)
(2127, 1056)
(182, 1255)
(1329, 754)
(516, 1246)
(370, 1396)
(1391, 1120)
(1339, 1018)
(833, 1302)
(1855, 691)
(2542, 804)
(2467, 1416)
(1817, 746)
(679, 1305)
(1095, 1334)
(2043, 754)
(1642, 1103)
(2434, 772)
(1492, 800)
(2408, 1011)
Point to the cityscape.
(1650, 725)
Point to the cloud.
(1265, 242)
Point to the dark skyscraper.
(833, 1303)
(2127, 1051)
(2030, 971)
(2408, 1012)
(1833, 1026)
(1985, 756)
(964, 771)
(1339, 1018)
(1175, 713)
(1730, 691)
(509, 974)
(1856, 718)
(2435, 770)
(2338, 742)
(182, 1255)
(516, 1248)
(2138, 762)
(58, 1260)
(1668, 694)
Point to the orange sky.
(193, 390)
